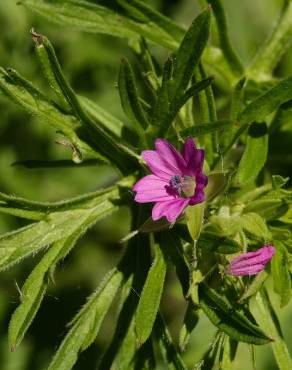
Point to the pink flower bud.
(251, 263)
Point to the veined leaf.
(130, 99)
(267, 103)
(150, 297)
(265, 315)
(234, 323)
(255, 225)
(255, 154)
(281, 274)
(87, 323)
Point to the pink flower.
(251, 263)
(177, 179)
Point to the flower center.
(184, 185)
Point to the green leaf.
(281, 274)
(217, 182)
(268, 208)
(189, 52)
(224, 40)
(172, 246)
(274, 47)
(35, 287)
(227, 319)
(254, 156)
(255, 286)
(87, 323)
(211, 242)
(267, 103)
(195, 218)
(201, 129)
(103, 117)
(94, 134)
(150, 297)
(211, 356)
(265, 315)
(255, 225)
(21, 243)
(130, 99)
(229, 348)
(169, 353)
(29, 98)
(89, 17)
(190, 321)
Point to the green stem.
(225, 44)
(276, 44)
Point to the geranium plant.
(217, 214)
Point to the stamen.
(184, 185)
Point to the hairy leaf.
(265, 315)
(255, 154)
(267, 103)
(150, 297)
(229, 320)
(281, 274)
(87, 322)
(169, 353)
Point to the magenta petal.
(170, 209)
(189, 149)
(176, 208)
(157, 165)
(150, 182)
(170, 156)
(156, 196)
(199, 197)
(252, 262)
(194, 157)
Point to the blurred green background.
(91, 63)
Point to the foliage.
(248, 202)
